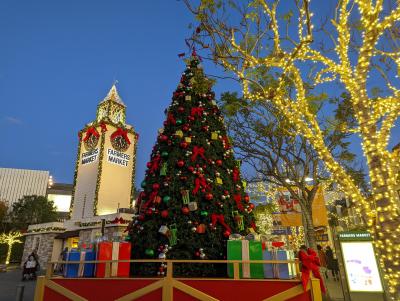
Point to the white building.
(15, 183)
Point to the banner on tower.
(90, 156)
(117, 157)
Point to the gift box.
(279, 270)
(71, 269)
(104, 252)
(246, 250)
(121, 251)
(87, 269)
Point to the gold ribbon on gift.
(246, 256)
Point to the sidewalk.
(334, 289)
(8, 286)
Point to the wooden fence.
(168, 282)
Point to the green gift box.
(246, 250)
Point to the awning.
(67, 234)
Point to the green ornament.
(204, 213)
(178, 121)
(143, 184)
(166, 199)
(163, 170)
(164, 154)
(127, 238)
(149, 252)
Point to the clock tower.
(106, 160)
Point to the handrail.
(176, 261)
(170, 262)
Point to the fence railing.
(168, 282)
(170, 265)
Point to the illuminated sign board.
(360, 263)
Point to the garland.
(136, 135)
(48, 229)
(96, 193)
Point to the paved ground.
(8, 286)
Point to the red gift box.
(104, 252)
(121, 251)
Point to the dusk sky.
(59, 59)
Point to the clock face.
(120, 144)
(91, 142)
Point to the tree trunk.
(309, 232)
(386, 222)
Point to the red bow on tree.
(198, 151)
(103, 127)
(238, 198)
(121, 132)
(226, 142)
(235, 174)
(91, 131)
(171, 119)
(219, 218)
(196, 111)
(200, 181)
(155, 164)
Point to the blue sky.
(59, 59)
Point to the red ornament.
(227, 233)
(190, 118)
(204, 128)
(197, 254)
(181, 109)
(185, 127)
(190, 168)
(156, 186)
(184, 144)
(141, 217)
(218, 162)
(164, 213)
(185, 210)
(180, 163)
(209, 196)
(149, 164)
(163, 138)
(246, 198)
(251, 205)
(149, 211)
(201, 229)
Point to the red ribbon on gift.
(103, 127)
(171, 119)
(121, 132)
(196, 111)
(238, 198)
(310, 264)
(155, 164)
(198, 151)
(91, 131)
(235, 174)
(200, 181)
(219, 218)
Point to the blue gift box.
(71, 269)
(88, 268)
(268, 267)
(279, 270)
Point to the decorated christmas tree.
(193, 198)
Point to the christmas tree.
(193, 198)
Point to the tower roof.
(113, 95)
